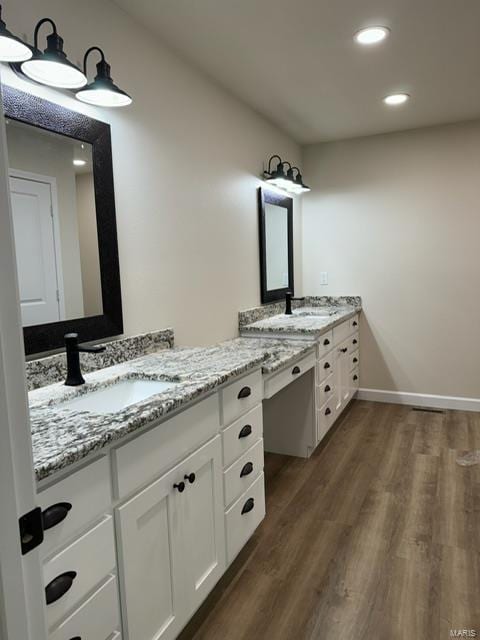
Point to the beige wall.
(186, 158)
(396, 219)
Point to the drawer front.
(157, 450)
(283, 378)
(241, 396)
(354, 341)
(354, 360)
(241, 435)
(325, 418)
(325, 391)
(325, 367)
(355, 323)
(244, 516)
(70, 505)
(325, 343)
(98, 617)
(91, 558)
(342, 332)
(241, 473)
(354, 379)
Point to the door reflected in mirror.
(55, 225)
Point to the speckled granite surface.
(276, 308)
(306, 322)
(45, 371)
(62, 436)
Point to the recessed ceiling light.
(371, 35)
(79, 163)
(396, 99)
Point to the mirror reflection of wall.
(55, 226)
(276, 246)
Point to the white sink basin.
(118, 396)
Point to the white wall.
(186, 159)
(396, 219)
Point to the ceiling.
(295, 61)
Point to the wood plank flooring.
(377, 537)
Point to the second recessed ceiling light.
(371, 35)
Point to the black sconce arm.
(37, 29)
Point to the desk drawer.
(325, 343)
(325, 391)
(241, 395)
(279, 380)
(87, 561)
(243, 472)
(244, 516)
(325, 367)
(241, 435)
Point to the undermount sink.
(118, 396)
(316, 311)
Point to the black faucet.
(288, 302)
(73, 349)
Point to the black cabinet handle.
(54, 514)
(248, 506)
(355, 360)
(59, 586)
(295, 371)
(326, 365)
(190, 477)
(180, 486)
(245, 431)
(326, 342)
(244, 392)
(247, 470)
(354, 323)
(327, 388)
(354, 341)
(355, 377)
(76, 638)
(344, 350)
(328, 411)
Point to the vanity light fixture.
(52, 66)
(371, 35)
(102, 92)
(396, 99)
(286, 181)
(12, 49)
(298, 185)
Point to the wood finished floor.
(377, 537)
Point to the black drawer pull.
(328, 411)
(244, 392)
(355, 360)
(355, 377)
(355, 323)
(55, 514)
(295, 371)
(247, 470)
(354, 341)
(326, 365)
(245, 431)
(76, 638)
(190, 477)
(344, 350)
(248, 506)
(326, 342)
(180, 486)
(59, 586)
(327, 388)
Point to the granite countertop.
(62, 436)
(307, 322)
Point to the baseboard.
(419, 399)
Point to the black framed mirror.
(65, 231)
(275, 213)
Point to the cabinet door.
(203, 526)
(150, 562)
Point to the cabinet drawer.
(98, 617)
(241, 396)
(355, 322)
(354, 359)
(242, 472)
(342, 332)
(241, 435)
(244, 516)
(354, 341)
(325, 391)
(325, 418)
(325, 343)
(91, 558)
(355, 379)
(154, 452)
(325, 367)
(75, 502)
(279, 380)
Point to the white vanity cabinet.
(172, 546)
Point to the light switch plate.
(323, 277)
